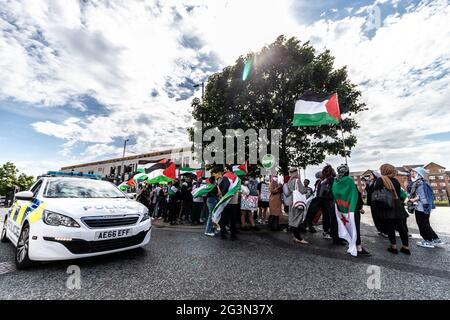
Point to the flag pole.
(342, 130)
(343, 142)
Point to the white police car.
(71, 217)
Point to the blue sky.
(78, 78)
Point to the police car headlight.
(56, 219)
(146, 215)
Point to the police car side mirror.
(24, 195)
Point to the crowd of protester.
(389, 203)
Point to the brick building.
(438, 178)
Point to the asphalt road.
(182, 263)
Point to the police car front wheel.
(22, 250)
(3, 237)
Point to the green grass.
(442, 203)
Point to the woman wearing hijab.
(392, 218)
(275, 204)
(424, 206)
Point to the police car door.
(18, 213)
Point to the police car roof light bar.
(73, 174)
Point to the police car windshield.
(81, 188)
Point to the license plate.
(112, 234)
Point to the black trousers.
(423, 222)
(313, 208)
(196, 211)
(274, 223)
(377, 221)
(329, 220)
(228, 217)
(390, 225)
(296, 232)
(358, 227)
(174, 211)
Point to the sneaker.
(211, 234)
(405, 251)
(425, 244)
(438, 242)
(326, 236)
(312, 230)
(392, 250)
(364, 252)
(384, 235)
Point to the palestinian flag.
(139, 177)
(189, 170)
(131, 183)
(235, 186)
(203, 190)
(124, 186)
(316, 110)
(149, 167)
(240, 170)
(172, 191)
(161, 172)
(346, 194)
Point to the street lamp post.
(123, 158)
(203, 88)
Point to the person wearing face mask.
(422, 196)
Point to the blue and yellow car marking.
(33, 210)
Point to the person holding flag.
(174, 202)
(348, 211)
(212, 193)
(225, 211)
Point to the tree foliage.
(9, 178)
(280, 73)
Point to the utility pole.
(203, 88)
(123, 158)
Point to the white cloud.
(404, 76)
(119, 52)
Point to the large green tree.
(279, 74)
(9, 179)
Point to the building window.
(435, 191)
(441, 177)
(442, 184)
(433, 184)
(432, 177)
